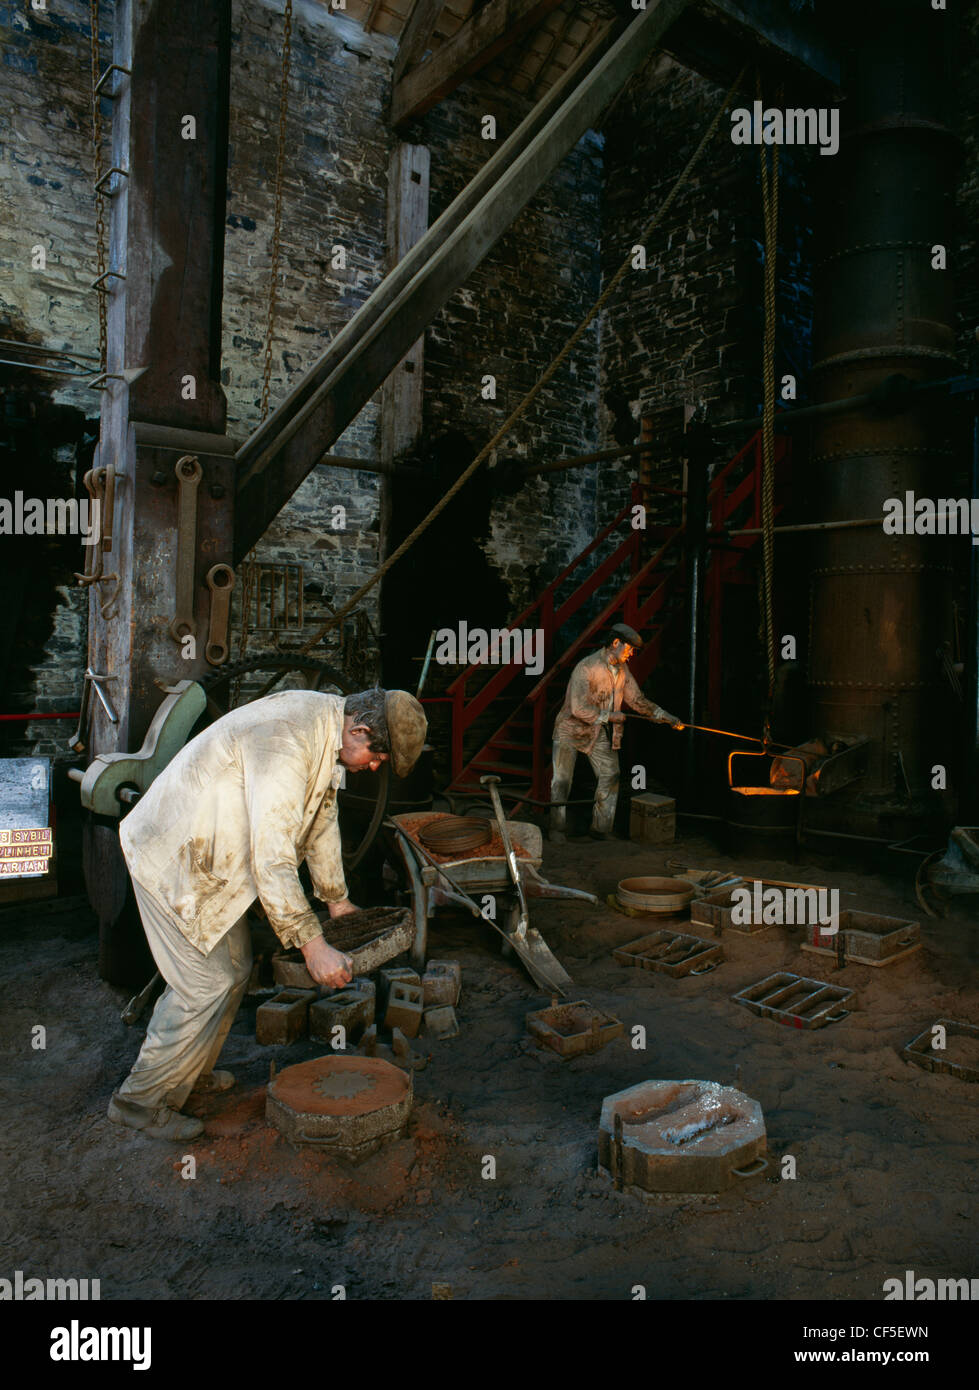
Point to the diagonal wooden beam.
(485, 34)
(276, 459)
(415, 36)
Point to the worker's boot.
(159, 1123)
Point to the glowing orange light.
(766, 791)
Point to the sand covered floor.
(884, 1151)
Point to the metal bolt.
(158, 478)
(216, 490)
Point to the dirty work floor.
(884, 1151)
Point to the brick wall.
(687, 330)
(334, 193)
(510, 320)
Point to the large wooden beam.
(715, 37)
(301, 427)
(414, 39)
(164, 318)
(485, 34)
(401, 397)
(403, 391)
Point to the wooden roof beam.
(715, 37)
(415, 37)
(483, 36)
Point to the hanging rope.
(769, 198)
(250, 568)
(535, 390)
(93, 10)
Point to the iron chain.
(100, 253)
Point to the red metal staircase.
(519, 752)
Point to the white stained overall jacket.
(234, 814)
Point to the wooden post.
(402, 393)
(170, 133)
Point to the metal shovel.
(527, 941)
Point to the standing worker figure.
(229, 820)
(599, 686)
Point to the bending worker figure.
(599, 686)
(230, 819)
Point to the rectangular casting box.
(284, 1018)
(442, 983)
(652, 819)
(920, 1051)
(349, 1009)
(440, 1021)
(671, 953)
(716, 910)
(405, 1007)
(389, 977)
(573, 1029)
(796, 1001)
(868, 938)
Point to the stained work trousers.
(605, 765)
(194, 1013)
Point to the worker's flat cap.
(625, 634)
(407, 727)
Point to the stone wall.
(508, 320)
(684, 332)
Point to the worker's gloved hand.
(327, 966)
(672, 720)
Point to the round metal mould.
(666, 895)
(678, 1137)
(455, 834)
(346, 1106)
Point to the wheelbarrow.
(437, 885)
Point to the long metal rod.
(802, 526)
(725, 733)
(287, 417)
(786, 419)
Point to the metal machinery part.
(220, 581)
(455, 834)
(189, 473)
(112, 780)
(880, 605)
